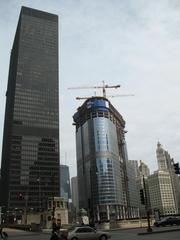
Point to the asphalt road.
(128, 234)
(132, 234)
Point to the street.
(132, 234)
(126, 234)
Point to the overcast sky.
(134, 43)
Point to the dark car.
(167, 221)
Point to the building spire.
(159, 144)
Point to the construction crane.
(103, 87)
(112, 96)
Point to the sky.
(134, 43)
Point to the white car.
(87, 233)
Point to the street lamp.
(53, 200)
(25, 215)
(149, 229)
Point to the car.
(87, 233)
(167, 221)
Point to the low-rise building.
(161, 189)
(58, 209)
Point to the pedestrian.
(54, 236)
(1, 232)
(81, 221)
(58, 225)
(54, 225)
(5, 235)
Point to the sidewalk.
(12, 230)
(49, 231)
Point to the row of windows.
(31, 167)
(41, 125)
(35, 112)
(33, 150)
(31, 107)
(35, 123)
(106, 197)
(95, 114)
(42, 98)
(23, 94)
(106, 190)
(45, 23)
(50, 156)
(37, 92)
(43, 141)
(34, 109)
(41, 109)
(20, 119)
(35, 35)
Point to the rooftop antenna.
(65, 158)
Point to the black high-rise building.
(30, 154)
(65, 182)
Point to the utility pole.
(149, 229)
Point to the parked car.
(167, 221)
(87, 233)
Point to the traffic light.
(142, 196)
(176, 168)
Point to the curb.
(119, 229)
(163, 231)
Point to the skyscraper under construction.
(30, 155)
(102, 161)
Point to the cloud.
(132, 43)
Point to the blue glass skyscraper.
(102, 160)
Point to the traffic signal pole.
(149, 229)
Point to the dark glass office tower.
(30, 155)
(65, 182)
(102, 161)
